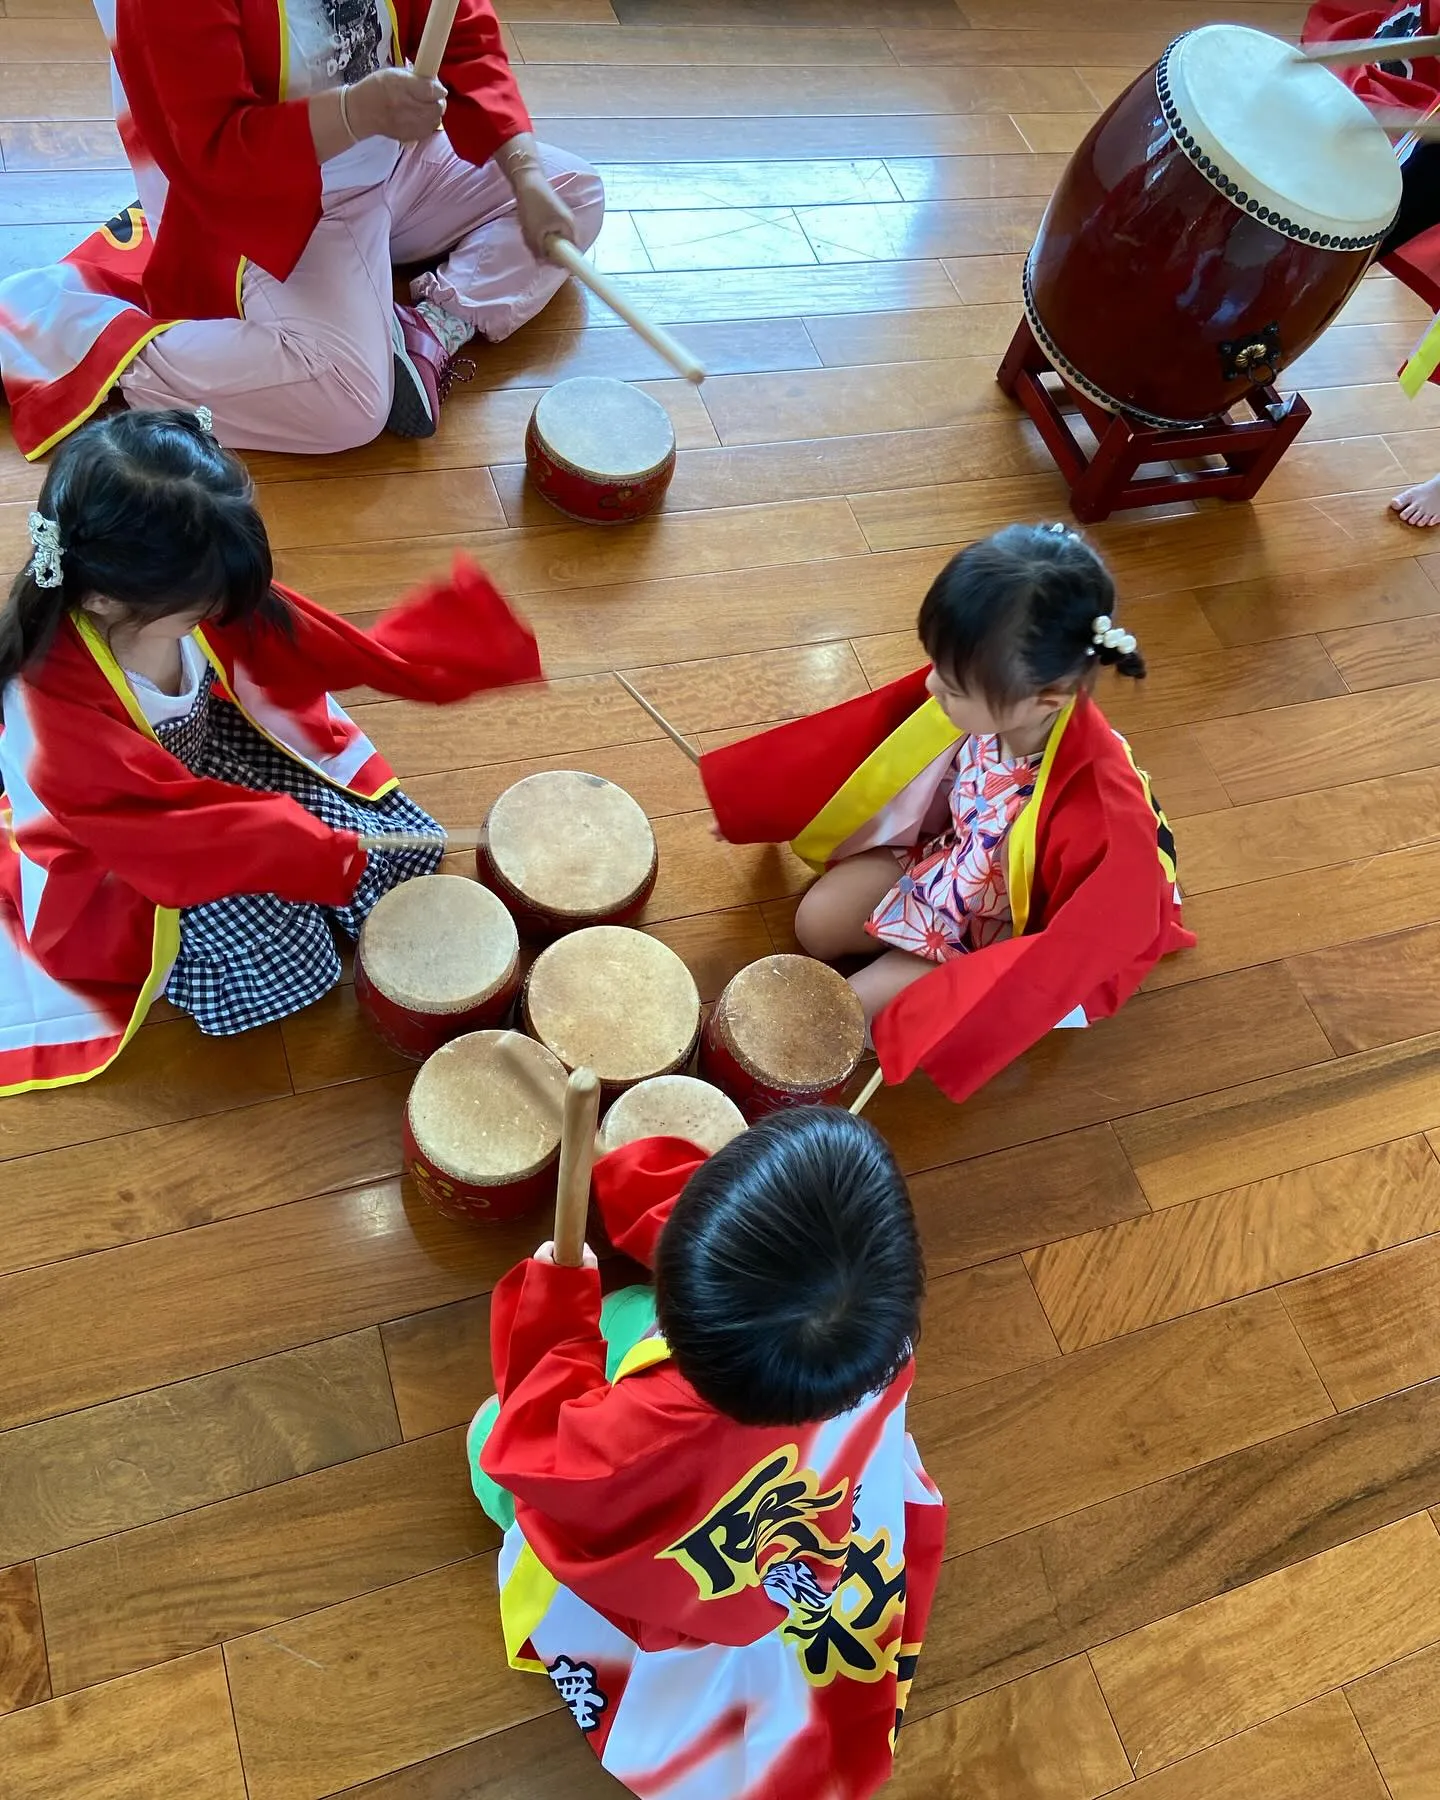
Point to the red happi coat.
(1090, 875)
(675, 1531)
(104, 835)
(226, 172)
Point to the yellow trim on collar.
(1020, 844)
(906, 753)
(113, 673)
(524, 1601)
(283, 19)
(645, 1355)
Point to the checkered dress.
(250, 959)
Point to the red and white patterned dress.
(952, 895)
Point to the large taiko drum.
(787, 1031)
(673, 1106)
(615, 1001)
(438, 956)
(1209, 227)
(482, 1126)
(600, 450)
(564, 850)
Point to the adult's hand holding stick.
(435, 37)
(577, 1158)
(564, 254)
(681, 743)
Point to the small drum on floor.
(1211, 224)
(482, 1126)
(564, 850)
(787, 1031)
(600, 450)
(438, 956)
(673, 1106)
(615, 1001)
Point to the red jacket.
(104, 835)
(203, 85)
(1091, 863)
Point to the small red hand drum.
(565, 850)
(1210, 226)
(615, 1001)
(600, 450)
(438, 956)
(787, 1031)
(674, 1106)
(482, 1126)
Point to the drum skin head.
(793, 1021)
(486, 1108)
(615, 1001)
(595, 425)
(676, 1106)
(439, 943)
(574, 844)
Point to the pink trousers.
(310, 367)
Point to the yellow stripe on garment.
(1423, 361)
(283, 19)
(113, 673)
(524, 1601)
(644, 1355)
(907, 752)
(1020, 845)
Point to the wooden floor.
(1181, 1373)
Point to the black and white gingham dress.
(250, 959)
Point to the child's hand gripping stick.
(577, 1158)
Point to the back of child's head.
(789, 1276)
(1022, 612)
(147, 511)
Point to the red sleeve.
(975, 1014)
(636, 1188)
(447, 640)
(539, 1314)
(485, 109)
(767, 789)
(176, 839)
(247, 165)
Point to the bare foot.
(1419, 505)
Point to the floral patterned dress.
(951, 897)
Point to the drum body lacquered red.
(411, 1032)
(476, 1202)
(1160, 284)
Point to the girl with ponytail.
(184, 808)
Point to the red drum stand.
(1109, 480)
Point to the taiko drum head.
(793, 1023)
(485, 1110)
(676, 1106)
(600, 450)
(615, 1001)
(572, 847)
(439, 944)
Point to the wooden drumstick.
(659, 718)
(577, 1158)
(1411, 123)
(422, 840)
(867, 1093)
(435, 37)
(563, 253)
(1354, 51)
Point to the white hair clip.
(206, 420)
(1104, 635)
(45, 564)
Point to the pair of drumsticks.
(560, 251)
(578, 1123)
(1354, 51)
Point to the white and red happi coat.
(730, 1612)
(105, 836)
(225, 171)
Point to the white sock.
(453, 332)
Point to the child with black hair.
(182, 803)
(719, 1541)
(978, 822)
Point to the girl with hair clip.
(184, 808)
(978, 824)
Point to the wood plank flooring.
(1180, 1376)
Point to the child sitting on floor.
(720, 1544)
(182, 803)
(978, 822)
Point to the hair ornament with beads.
(1105, 635)
(205, 419)
(45, 565)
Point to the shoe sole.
(410, 414)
